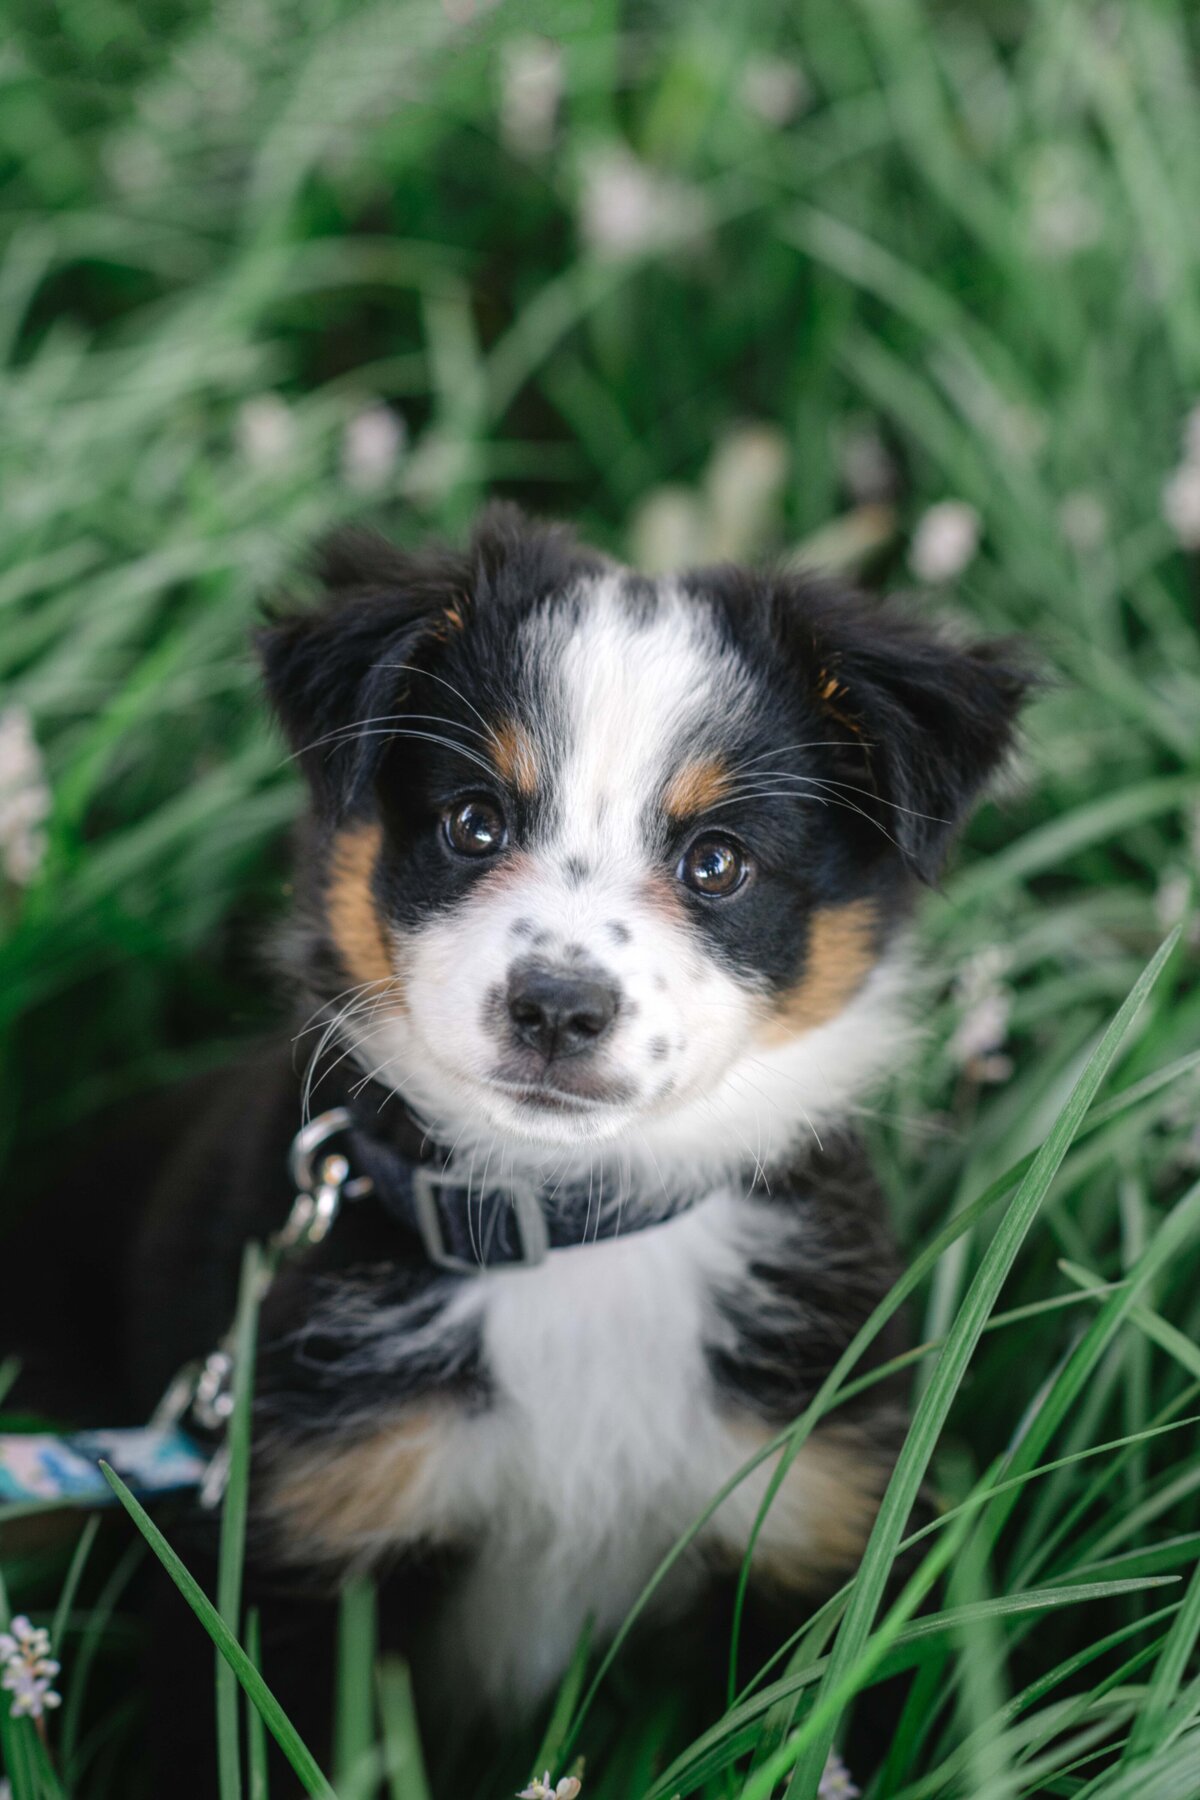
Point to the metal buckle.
(531, 1221)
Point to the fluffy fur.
(530, 773)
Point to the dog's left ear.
(920, 724)
(334, 673)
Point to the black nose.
(559, 1011)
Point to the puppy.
(598, 938)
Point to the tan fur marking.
(695, 787)
(822, 1515)
(347, 1501)
(829, 689)
(512, 753)
(841, 953)
(354, 921)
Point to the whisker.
(327, 1035)
(313, 1022)
(761, 1157)
(710, 1103)
(482, 1191)
(776, 1073)
(657, 1170)
(357, 727)
(791, 792)
(836, 800)
(415, 669)
(782, 749)
(367, 1011)
(851, 788)
(767, 794)
(433, 737)
(588, 1211)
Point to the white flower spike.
(945, 541)
(627, 208)
(265, 431)
(372, 445)
(567, 1788)
(835, 1782)
(1181, 504)
(24, 798)
(531, 90)
(28, 1669)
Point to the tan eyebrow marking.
(695, 786)
(842, 951)
(513, 755)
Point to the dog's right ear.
(918, 723)
(336, 673)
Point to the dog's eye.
(715, 866)
(475, 827)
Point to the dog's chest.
(598, 1364)
(604, 1439)
(603, 1436)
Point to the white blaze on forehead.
(632, 678)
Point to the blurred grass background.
(906, 290)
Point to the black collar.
(488, 1221)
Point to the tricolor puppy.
(599, 940)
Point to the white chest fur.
(604, 1438)
(602, 1443)
(607, 1438)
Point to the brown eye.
(475, 828)
(714, 866)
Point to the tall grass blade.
(405, 1760)
(850, 1645)
(354, 1711)
(257, 1779)
(252, 1683)
(233, 1520)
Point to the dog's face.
(601, 859)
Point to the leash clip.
(320, 1186)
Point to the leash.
(163, 1457)
(167, 1455)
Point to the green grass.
(225, 237)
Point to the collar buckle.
(532, 1231)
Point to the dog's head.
(600, 858)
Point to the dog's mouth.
(547, 1099)
(565, 1093)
